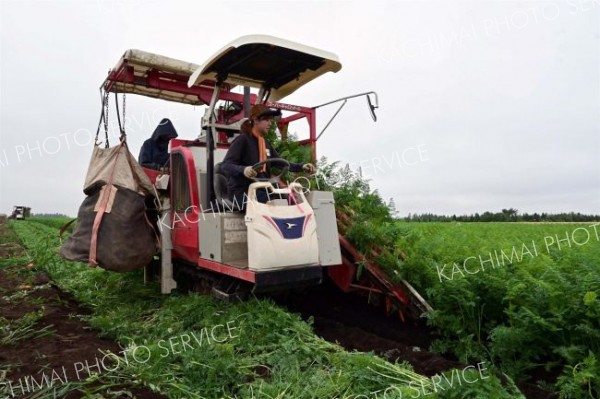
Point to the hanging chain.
(124, 104)
(123, 128)
(102, 101)
(106, 143)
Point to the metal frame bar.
(208, 123)
(345, 100)
(242, 274)
(169, 82)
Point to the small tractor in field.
(275, 246)
(20, 212)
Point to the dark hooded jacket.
(244, 152)
(155, 151)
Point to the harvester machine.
(20, 212)
(208, 242)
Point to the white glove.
(309, 168)
(249, 172)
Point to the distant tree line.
(49, 215)
(506, 215)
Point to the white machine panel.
(323, 205)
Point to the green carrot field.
(524, 295)
(523, 298)
(259, 350)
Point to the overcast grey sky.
(483, 105)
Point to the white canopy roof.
(258, 61)
(266, 62)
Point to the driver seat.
(221, 191)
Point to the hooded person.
(249, 148)
(155, 151)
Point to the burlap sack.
(127, 172)
(125, 239)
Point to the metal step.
(230, 290)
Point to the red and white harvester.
(276, 246)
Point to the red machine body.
(173, 80)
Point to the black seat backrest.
(224, 201)
(220, 183)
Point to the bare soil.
(350, 321)
(24, 289)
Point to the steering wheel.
(274, 179)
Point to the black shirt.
(243, 152)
